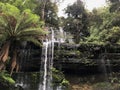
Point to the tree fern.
(16, 27)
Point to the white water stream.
(48, 52)
(45, 80)
(45, 66)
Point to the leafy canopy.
(16, 25)
(76, 22)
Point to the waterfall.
(47, 62)
(44, 78)
(52, 48)
(105, 66)
(45, 66)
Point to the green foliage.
(50, 10)
(9, 9)
(50, 13)
(65, 82)
(17, 27)
(76, 9)
(113, 1)
(25, 4)
(22, 4)
(59, 78)
(106, 29)
(76, 22)
(113, 35)
(5, 78)
(33, 18)
(114, 5)
(24, 26)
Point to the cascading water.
(48, 55)
(106, 66)
(45, 66)
(52, 48)
(104, 69)
(42, 80)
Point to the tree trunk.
(77, 38)
(4, 51)
(17, 67)
(4, 54)
(43, 14)
(14, 62)
(2, 66)
(5, 57)
(43, 10)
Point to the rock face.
(87, 59)
(30, 58)
(75, 58)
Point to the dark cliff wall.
(85, 59)
(71, 58)
(30, 58)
